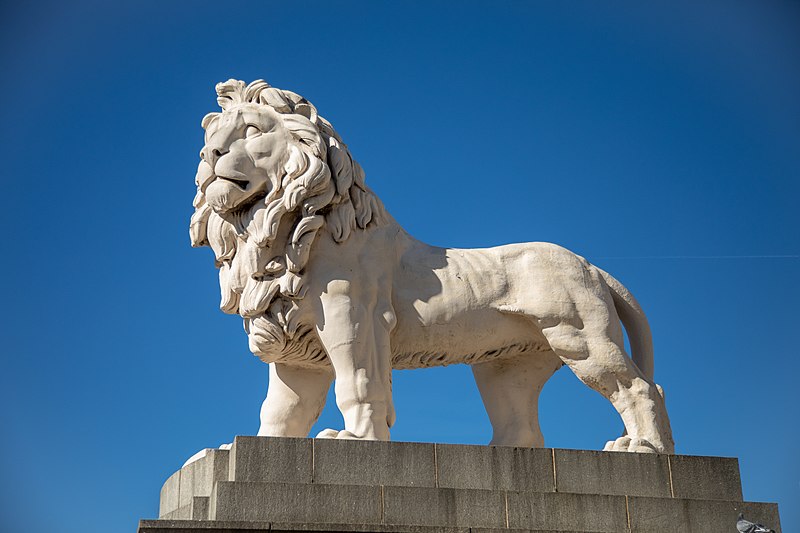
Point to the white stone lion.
(331, 287)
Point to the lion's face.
(272, 174)
(243, 157)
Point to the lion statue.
(331, 288)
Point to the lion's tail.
(632, 317)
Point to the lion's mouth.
(242, 184)
(234, 194)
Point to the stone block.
(705, 478)
(224, 526)
(571, 512)
(200, 506)
(444, 507)
(484, 530)
(285, 502)
(300, 485)
(181, 513)
(656, 515)
(187, 479)
(270, 460)
(194, 479)
(220, 460)
(170, 494)
(197, 478)
(364, 528)
(494, 468)
(616, 473)
(201, 526)
(351, 462)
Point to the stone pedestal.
(281, 484)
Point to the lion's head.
(273, 173)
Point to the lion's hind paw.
(628, 444)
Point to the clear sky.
(661, 142)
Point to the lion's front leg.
(356, 337)
(295, 398)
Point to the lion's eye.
(251, 131)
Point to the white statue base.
(288, 484)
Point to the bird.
(745, 526)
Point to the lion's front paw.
(335, 434)
(628, 444)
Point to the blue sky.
(661, 142)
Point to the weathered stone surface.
(494, 467)
(269, 459)
(170, 494)
(181, 513)
(197, 478)
(444, 507)
(226, 526)
(186, 484)
(284, 502)
(589, 472)
(163, 525)
(504, 530)
(355, 528)
(220, 466)
(365, 486)
(374, 463)
(575, 512)
(194, 479)
(705, 478)
(658, 515)
(200, 507)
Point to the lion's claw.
(628, 444)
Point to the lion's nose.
(212, 155)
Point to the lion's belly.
(469, 338)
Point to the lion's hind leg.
(510, 390)
(594, 352)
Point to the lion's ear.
(208, 119)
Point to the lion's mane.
(262, 251)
